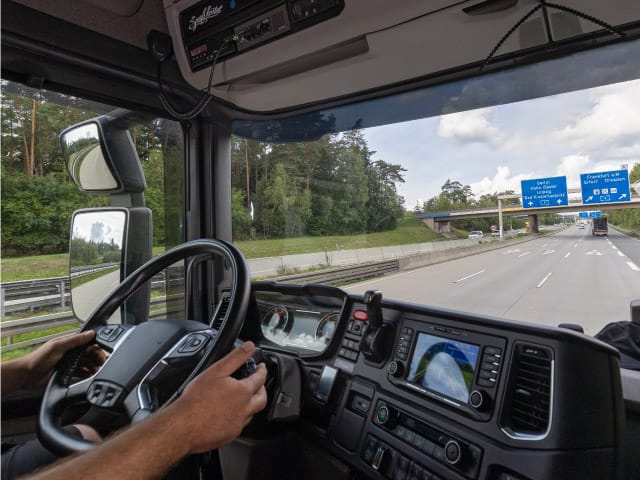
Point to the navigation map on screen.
(444, 366)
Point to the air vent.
(221, 311)
(527, 410)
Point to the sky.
(100, 227)
(493, 149)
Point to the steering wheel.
(146, 355)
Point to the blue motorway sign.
(594, 214)
(544, 192)
(605, 187)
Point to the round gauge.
(276, 320)
(327, 326)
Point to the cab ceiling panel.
(359, 45)
(126, 20)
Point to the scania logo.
(207, 13)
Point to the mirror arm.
(127, 199)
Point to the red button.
(361, 315)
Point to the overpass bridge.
(441, 221)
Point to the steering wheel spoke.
(151, 363)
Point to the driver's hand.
(39, 364)
(216, 407)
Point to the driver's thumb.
(235, 359)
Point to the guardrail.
(346, 274)
(52, 292)
(11, 328)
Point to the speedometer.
(276, 321)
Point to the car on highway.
(218, 172)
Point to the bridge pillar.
(430, 222)
(444, 227)
(533, 223)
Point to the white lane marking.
(515, 250)
(580, 240)
(523, 254)
(575, 245)
(620, 253)
(593, 252)
(633, 266)
(544, 280)
(567, 255)
(614, 247)
(469, 276)
(547, 252)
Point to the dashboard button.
(415, 472)
(402, 468)
(396, 369)
(453, 452)
(380, 457)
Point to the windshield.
(526, 210)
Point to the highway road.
(569, 277)
(87, 296)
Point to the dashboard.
(401, 391)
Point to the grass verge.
(410, 230)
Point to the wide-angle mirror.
(85, 158)
(96, 258)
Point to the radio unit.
(458, 368)
(246, 24)
(434, 443)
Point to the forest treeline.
(332, 186)
(329, 186)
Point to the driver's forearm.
(147, 450)
(12, 374)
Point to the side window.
(38, 199)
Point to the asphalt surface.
(87, 296)
(569, 277)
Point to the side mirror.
(86, 161)
(100, 258)
(100, 155)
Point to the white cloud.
(613, 120)
(625, 152)
(501, 181)
(572, 166)
(470, 127)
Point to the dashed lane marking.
(544, 280)
(633, 266)
(620, 253)
(469, 276)
(523, 254)
(567, 255)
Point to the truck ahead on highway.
(600, 226)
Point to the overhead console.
(241, 25)
(288, 53)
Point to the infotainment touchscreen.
(443, 366)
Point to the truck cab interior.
(362, 385)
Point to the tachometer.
(327, 327)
